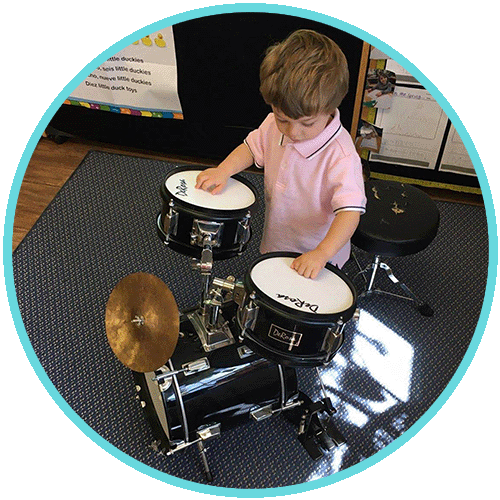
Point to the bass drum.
(226, 386)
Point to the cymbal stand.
(210, 325)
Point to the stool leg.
(423, 308)
(375, 265)
(361, 270)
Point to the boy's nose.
(293, 130)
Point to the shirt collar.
(311, 147)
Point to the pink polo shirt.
(306, 184)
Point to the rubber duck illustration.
(159, 40)
(147, 41)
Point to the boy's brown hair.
(304, 75)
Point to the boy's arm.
(343, 226)
(215, 179)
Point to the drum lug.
(332, 334)
(262, 412)
(244, 352)
(164, 375)
(249, 316)
(239, 293)
(357, 314)
(208, 431)
(198, 365)
(170, 221)
(206, 232)
(339, 328)
(243, 232)
(166, 382)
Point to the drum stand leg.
(206, 467)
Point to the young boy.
(314, 189)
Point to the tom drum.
(192, 218)
(294, 320)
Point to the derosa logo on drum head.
(285, 336)
(182, 189)
(299, 302)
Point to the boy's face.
(302, 129)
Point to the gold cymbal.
(142, 322)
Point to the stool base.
(374, 266)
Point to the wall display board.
(416, 139)
(212, 64)
(139, 80)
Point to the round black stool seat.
(400, 219)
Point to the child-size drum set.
(232, 357)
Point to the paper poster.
(402, 75)
(139, 80)
(379, 88)
(455, 157)
(413, 127)
(368, 137)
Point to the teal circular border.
(284, 490)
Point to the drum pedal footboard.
(316, 435)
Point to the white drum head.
(235, 196)
(328, 293)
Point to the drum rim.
(284, 310)
(202, 211)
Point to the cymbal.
(142, 322)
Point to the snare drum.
(294, 320)
(191, 218)
(211, 391)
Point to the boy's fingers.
(217, 189)
(202, 184)
(304, 270)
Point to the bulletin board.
(404, 132)
(211, 65)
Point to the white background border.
(45, 46)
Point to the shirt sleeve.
(348, 183)
(255, 141)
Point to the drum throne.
(400, 220)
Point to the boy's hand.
(211, 179)
(309, 264)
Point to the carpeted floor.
(392, 367)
